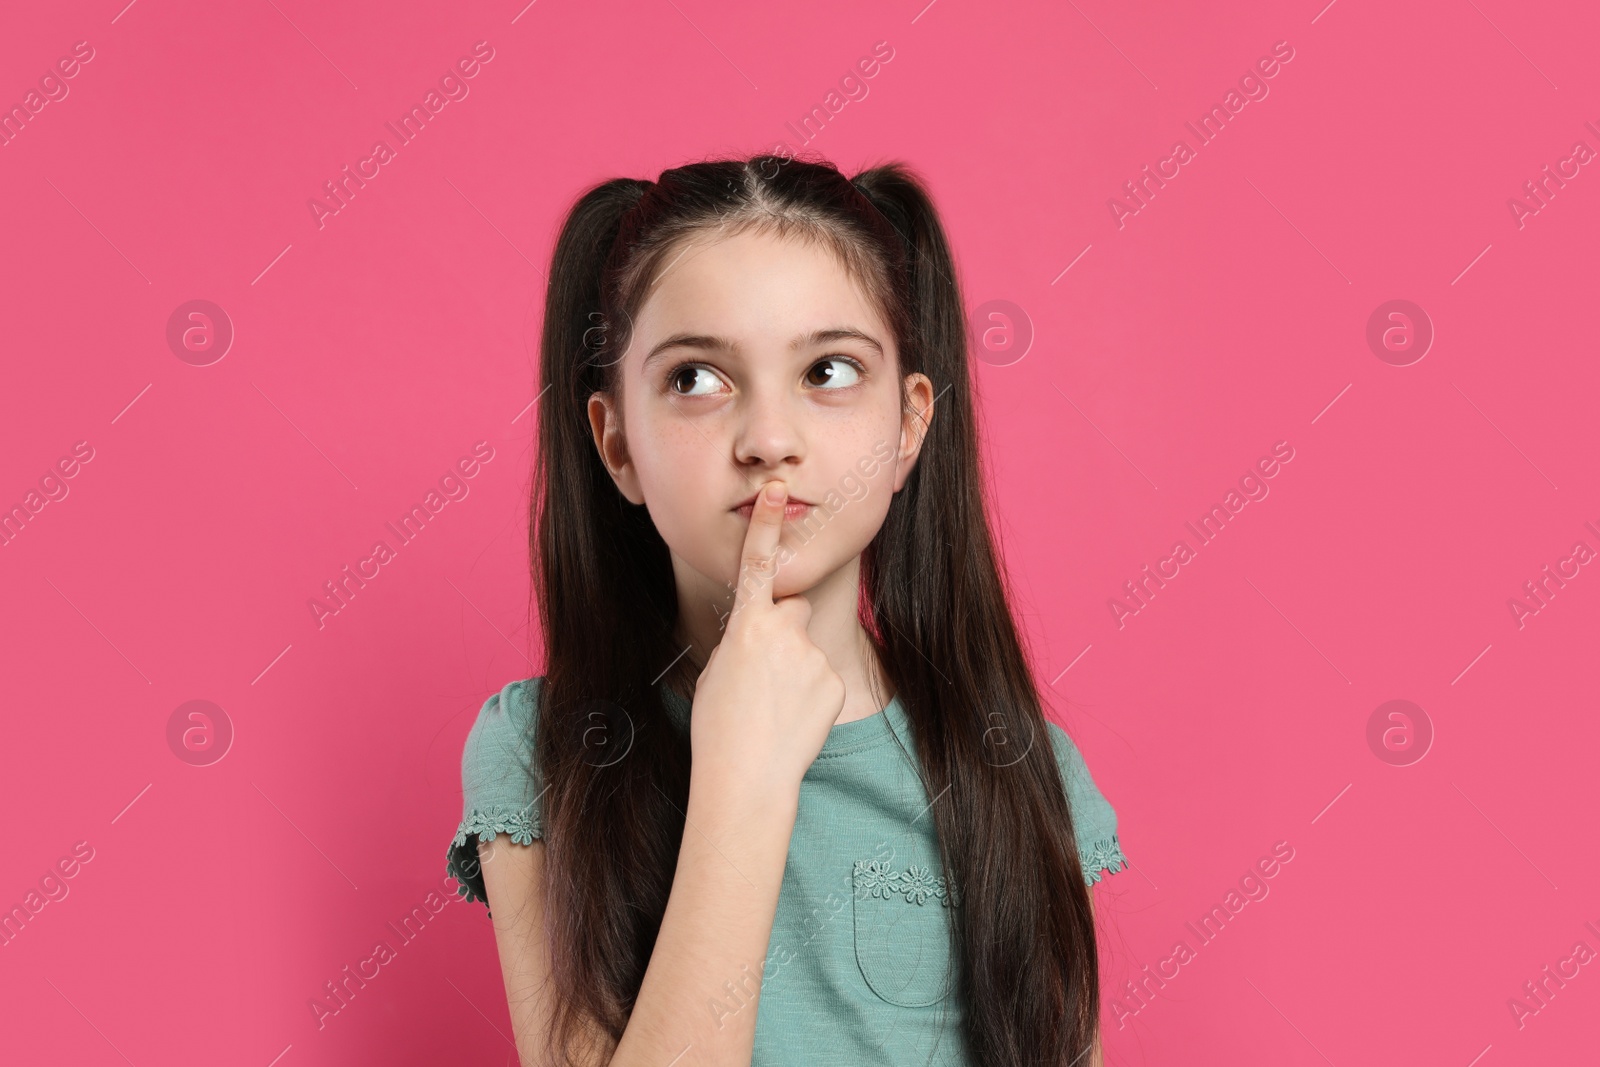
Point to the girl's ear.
(605, 422)
(914, 423)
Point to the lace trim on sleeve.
(1104, 854)
(522, 825)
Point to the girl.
(785, 793)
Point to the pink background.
(1230, 313)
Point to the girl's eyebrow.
(713, 343)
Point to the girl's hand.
(768, 696)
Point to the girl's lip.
(791, 510)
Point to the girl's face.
(757, 358)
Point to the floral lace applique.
(522, 825)
(1105, 854)
(916, 885)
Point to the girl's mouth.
(791, 510)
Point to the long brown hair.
(933, 602)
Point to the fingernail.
(774, 492)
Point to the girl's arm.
(713, 937)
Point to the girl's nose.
(769, 432)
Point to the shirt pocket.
(904, 932)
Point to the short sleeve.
(501, 787)
(1094, 820)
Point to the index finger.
(758, 560)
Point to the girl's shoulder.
(513, 704)
(502, 732)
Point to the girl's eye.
(686, 374)
(694, 379)
(836, 379)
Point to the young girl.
(785, 793)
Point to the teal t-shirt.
(860, 965)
